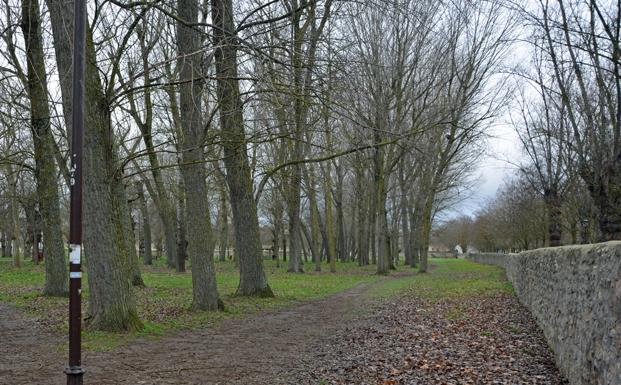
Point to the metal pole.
(74, 370)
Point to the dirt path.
(25, 351)
(300, 345)
(240, 351)
(243, 351)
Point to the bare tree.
(199, 232)
(245, 219)
(582, 44)
(56, 272)
(111, 255)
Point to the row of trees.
(567, 114)
(517, 219)
(569, 117)
(343, 127)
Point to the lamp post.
(74, 370)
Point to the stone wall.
(490, 258)
(574, 293)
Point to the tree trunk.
(414, 213)
(248, 248)
(381, 215)
(302, 245)
(340, 215)
(169, 235)
(293, 211)
(162, 202)
(425, 232)
(181, 237)
(393, 258)
(147, 257)
(554, 212)
(223, 218)
(277, 212)
(607, 198)
(352, 238)
(362, 225)
(123, 218)
(13, 208)
(315, 235)
(223, 223)
(111, 301)
(405, 228)
(56, 272)
(6, 246)
(199, 233)
(329, 218)
(372, 231)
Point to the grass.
(448, 281)
(164, 304)
(454, 278)
(448, 278)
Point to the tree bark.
(223, 226)
(342, 251)
(147, 253)
(403, 205)
(553, 204)
(293, 211)
(372, 229)
(330, 233)
(111, 301)
(199, 233)
(13, 214)
(381, 215)
(248, 248)
(425, 231)
(56, 272)
(223, 218)
(123, 218)
(414, 213)
(277, 213)
(362, 226)
(314, 239)
(606, 195)
(181, 237)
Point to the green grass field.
(448, 278)
(164, 304)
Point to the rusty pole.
(74, 370)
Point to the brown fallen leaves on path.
(470, 340)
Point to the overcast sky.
(504, 149)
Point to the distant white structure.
(458, 250)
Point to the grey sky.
(503, 149)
